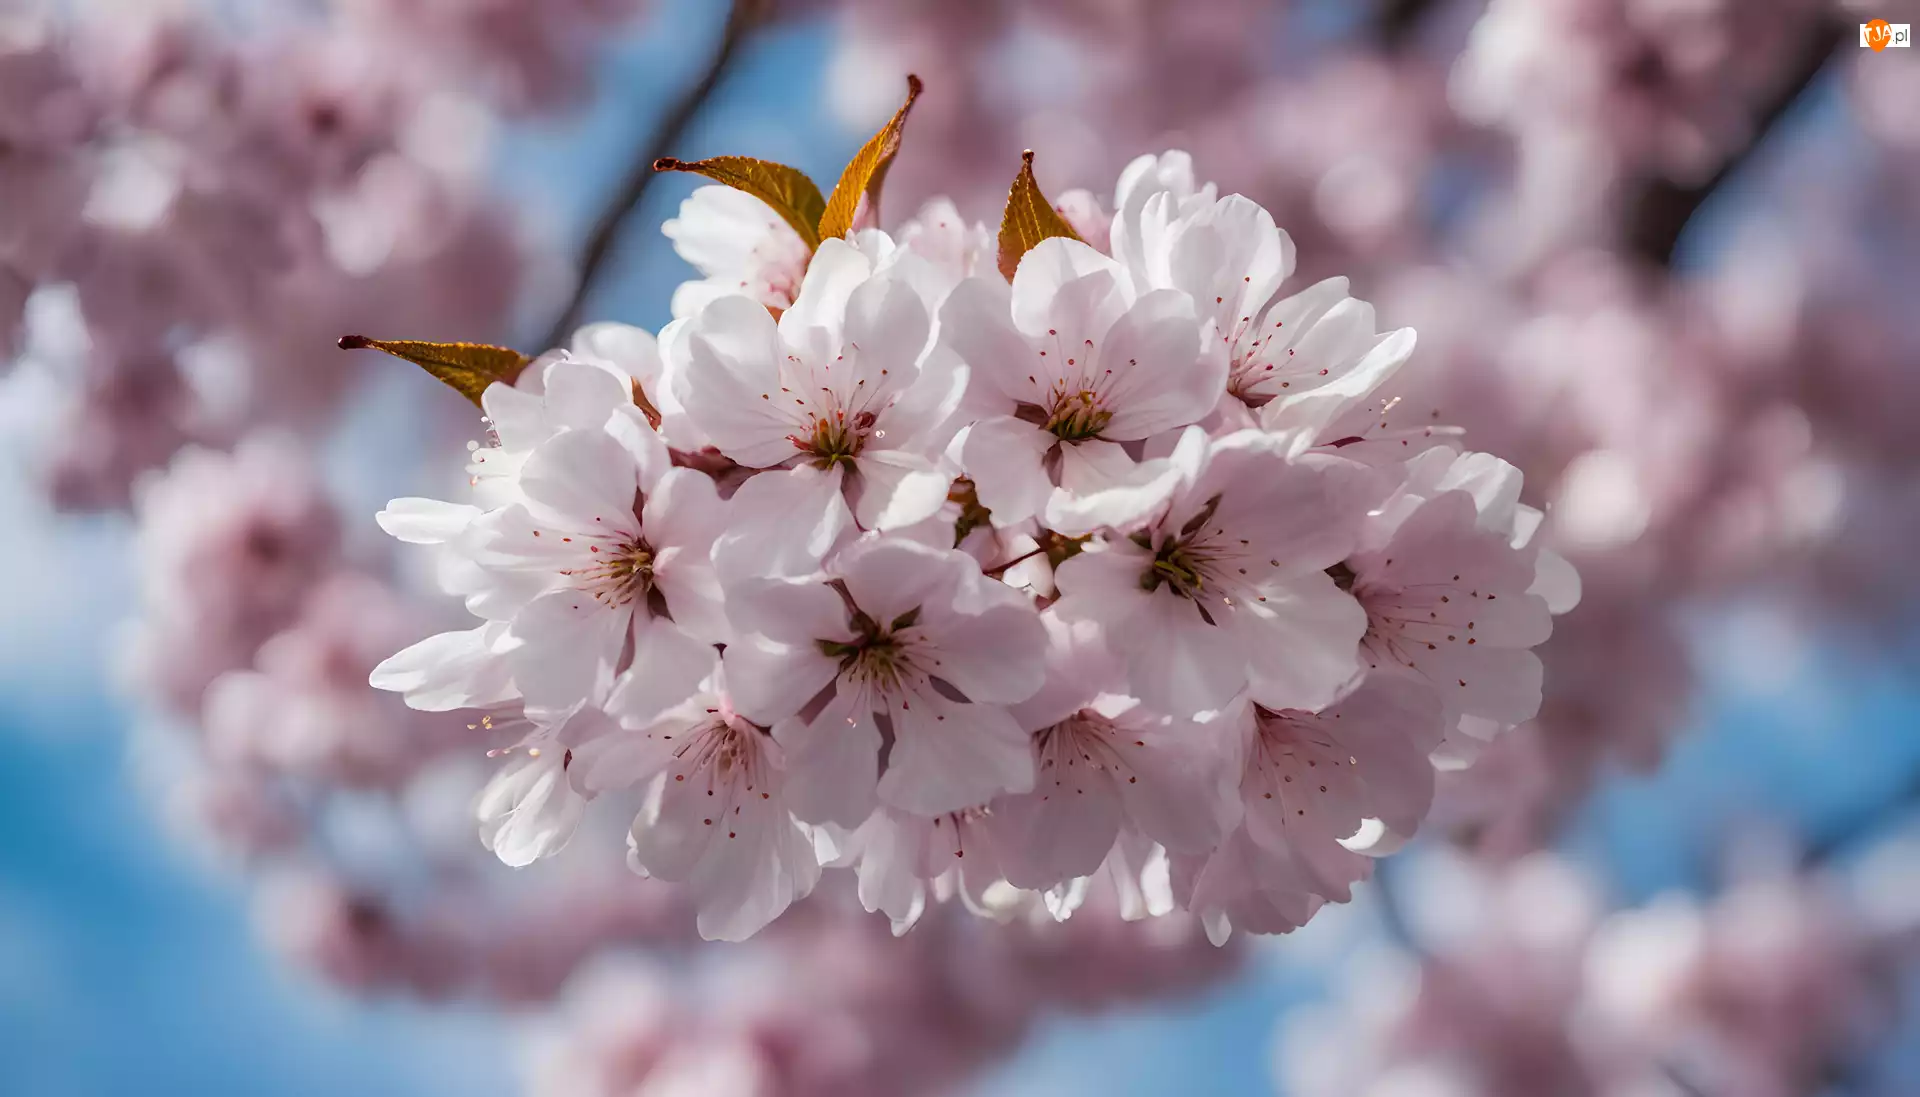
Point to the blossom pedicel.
(985, 566)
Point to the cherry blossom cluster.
(1512, 180)
(1773, 988)
(1119, 566)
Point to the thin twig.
(743, 18)
(1659, 214)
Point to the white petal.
(425, 521)
(528, 811)
(668, 667)
(893, 488)
(569, 643)
(772, 681)
(1003, 456)
(731, 378)
(783, 523)
(451, 670)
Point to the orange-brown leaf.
(467, 367)
(789, 191)
(867, 173)
(1029, 219)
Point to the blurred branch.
(1397, 21)
(1659, 214)
(1874, 819)
(743, 18)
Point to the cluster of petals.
(1119, 572)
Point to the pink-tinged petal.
(1161, 376)
(889, 576)
(886, 330)
(891, 851)
(976, 323)
(832, 761)
(1555, 582)
(1304, 511)
(788, 611)
(451, 670)
(1314, 410)
(1003, 457)
(1230, 258)
(1103, 586)
(682, 520)
(633, 756)
(752, 873)
(579, 475)
(1065, 287)
(1292, 317)
(529, 811)
(628, 425)
(1078, 668)
(569, 644)
(1302, 644)
(948, 756)
(730, 381)
(425, 521)
(893, 488)
(1241, 885)
(525, 555)
(783, 523)
(631, 350)
(924, 418)
(670, 835)
(1180, 664)
(1176, 781)
(1391, 724)
(772, 681)
(580, 395)
(1101, 488)
(1063, 828)
(668, 667)
(997, 656)
(813, 326)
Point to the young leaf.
(1029, 219)
(868, 171)
(468, 367)
(788, 190)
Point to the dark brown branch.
(1397, 22)
(1660, 212)
(743, 19)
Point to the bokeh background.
(1661, 253)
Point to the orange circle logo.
(1878, 35)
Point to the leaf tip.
(1026, 159)
(354, 342)
(915, 86)
(667, 163)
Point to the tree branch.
(1397, 21)
(743, 19)
(1660, 212)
